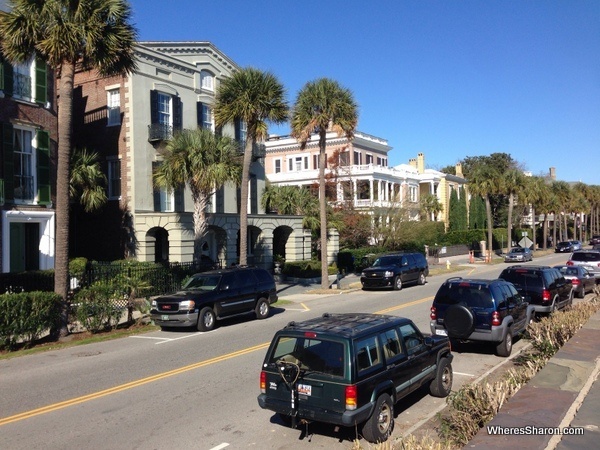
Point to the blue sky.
(449, 78)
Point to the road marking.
(126, 386)
(464, 374)
(405, 305)
(220, 446)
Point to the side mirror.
(429, 341)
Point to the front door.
(24, 246)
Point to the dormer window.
(207, 80)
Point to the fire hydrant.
(448, 264)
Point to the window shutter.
(7, 78)
(7, 151)
(199, 114)
(43, 168)
(155, 190)
(41, 91)
(177, 113)
(238, 129)
(253, 194)
(179, 204)
(153, 107)
(220, 200)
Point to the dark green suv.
(350, 370)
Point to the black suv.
(395, 270)
(350, 370)
(542, 286)
(480, 310)
(216, 294)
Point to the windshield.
(311, 355)
(518, 250)
(386, 261)
(202, 283)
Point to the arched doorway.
(160, 238)
(281, 236)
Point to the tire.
(504, 348)
(441, 385)
(263, 309)
(581, 294)
(379, 426)
(398, 283)
(421, 279)
(459, 321)
(206, 319)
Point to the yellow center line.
(160, 376)
(123, 387)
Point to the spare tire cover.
(459, 321)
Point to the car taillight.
(570, 263)
(546, 295)
(496, 319)
(351, 397)
(263, 382)
(575, 281)
(433, 313)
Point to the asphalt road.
(185, 389)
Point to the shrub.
(99, 307)
(306, 269)
(25, 316)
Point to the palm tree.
(562, 190)
(204, 162)
(484, 180)
(512, 182)
(430, 206)
(321, 106)
(92, 34)
(87, 180)
(254, 97)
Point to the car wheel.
(379, 426)
(397, 283)
(504, 348)
(206, 319)
(441, 385)
(421, 279)
(581, 293)
(262, 309)
(459, 322)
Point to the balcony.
(159, 132)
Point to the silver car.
(518, 254)
(590, 259)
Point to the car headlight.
(362, 274)
(154, 304)
(187, 305)
(388, 273)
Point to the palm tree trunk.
(323, 210)
(511, 203)
(490, 225)
(200, 225)
(533, 227)
(61, 262)
(244, 203)
(545, 231)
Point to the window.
(367, 353)
(22, 80)
(114, 179)
(164, 109)
(277, 165)
(165, 200)
(298, 163)
(412, 339)
(207, 80)
(391, 344)
(344, 159)
(23, 160)
(113, 107)
(357, 158)
(369, 159)
(412, 194)
(207, 117)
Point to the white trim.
(47, 235)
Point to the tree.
(430, 207)
(512, 183)
(87, 180)
(484, 180)
(204, 162)
(476, 213)
(321, 106)
(253, 97)
(92, 34)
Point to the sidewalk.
(565, 393)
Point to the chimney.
(421, 162)
(459, 172)
(553, 173)
(413, 162)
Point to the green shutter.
(43, 168)
(7, 153)
(7, 78)
(41, 91)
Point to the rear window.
(473, 295)
(523, 278)
(585, 256)
(311, 355)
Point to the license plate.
(304, 389)
(441, 332)
(164, 317)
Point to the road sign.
(526, 242)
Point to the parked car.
(350, 370)
(595, 239)
(519, 254)
(216, 294)
(581, 279)
(596, 247)
(588, 258)
(396, 270)
(480, 310)
(567, 246)
(543, 287)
